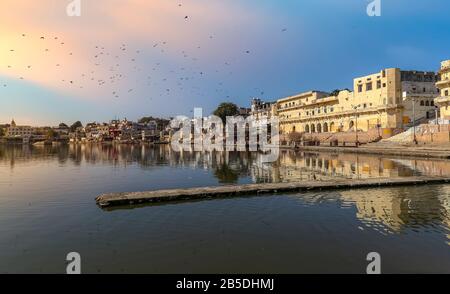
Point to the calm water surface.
(47, 209)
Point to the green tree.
(226, 109)
(146, 119)
(2, 132)
(161, 122)
(336, 92)
(76, 125)
(225, 174)
(51, 134)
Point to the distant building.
(243, 111)
(15, 131)
(261, 109)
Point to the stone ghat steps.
(136, 198)
(344, 137)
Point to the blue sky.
(293, 46)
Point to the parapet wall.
(341, 138)
(433, 134)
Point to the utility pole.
(357, 143)
(414, 119)
(356, 125)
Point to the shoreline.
(171, 195)
(400, 151)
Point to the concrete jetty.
(134, 198)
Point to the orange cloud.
(74, 67)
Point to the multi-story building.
(15, 131)
(443, 85)
(243, 111)
(381, 100)
(261, 113)
(260, 109)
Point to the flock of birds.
(122, 69)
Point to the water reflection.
(49, 191)
(229, 167)
(393, 211)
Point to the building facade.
(390, 99)
(262, 110)
(15, 131)
(261, 113)
(443, 101)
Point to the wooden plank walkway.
(131, 198)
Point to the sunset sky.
(133, 58)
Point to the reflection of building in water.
(265, 173)
(394, 209)
(373, 208)
(444, 198)
(328, 166)
(291, 165)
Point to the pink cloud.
(109, 23)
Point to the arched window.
(313, 128)
(332, 127)
(325, 128)
(319, 128)
(427, 103)
(421, 103)
(351, 124)
(307, 128)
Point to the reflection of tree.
(225, 174)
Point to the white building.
(15, 131)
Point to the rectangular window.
(359, 88)
(378, 84)
(368, 86)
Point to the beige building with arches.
(382, 100)
(444, 87)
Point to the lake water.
(47, 209)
